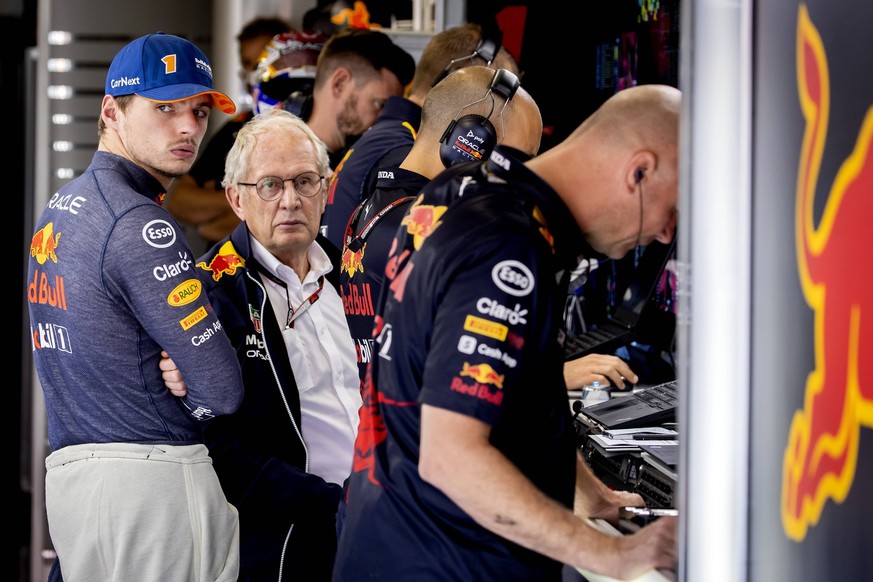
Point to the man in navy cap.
(130, 489)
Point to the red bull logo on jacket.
(352, 261)
(822, 451)
(45, 291)
(421, 220)
(357, 299)
(484, 378)
(225, 262)
(482, 373)
(44, 243)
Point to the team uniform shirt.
(368, 239)
(385, 143)
(470, 323)
(110, 284)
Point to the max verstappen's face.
(163, 138)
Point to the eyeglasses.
(307, 184)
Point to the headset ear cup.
(468, 139)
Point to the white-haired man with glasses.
(283, 457)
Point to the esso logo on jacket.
(513, 277)
(159, 233)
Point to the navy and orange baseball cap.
(163, 67)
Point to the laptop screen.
(619, 327)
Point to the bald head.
(618, 171)
(642, 116)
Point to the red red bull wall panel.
(811, 457)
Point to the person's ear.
(639, 169)
(340, 80)
(324, 190)
(109, 111)
(233, 193)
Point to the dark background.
(17, 34)
(558, 51)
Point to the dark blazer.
(287, 516)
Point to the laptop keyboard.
(662, 396)
(644, 407)
(601, 337)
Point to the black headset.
(472, 137)
(486, 50)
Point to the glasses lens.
(270, 187)
(308, 184)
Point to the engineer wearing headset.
(466, 464)
(474, 100)
(389, 139)
(463, 102)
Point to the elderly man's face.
(288, 225)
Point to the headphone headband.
(505, 83)
(487, 49)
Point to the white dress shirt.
(322, 355)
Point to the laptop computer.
(621, 326)
(643, 407)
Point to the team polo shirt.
(111, 283)
(368, 239)
(470, 323)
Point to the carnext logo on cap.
(124, 82)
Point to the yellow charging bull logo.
(352, 261)
(225, 262)
(44, 243)
(822, 450)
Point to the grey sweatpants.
(122, 512)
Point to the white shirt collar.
(319, 263)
